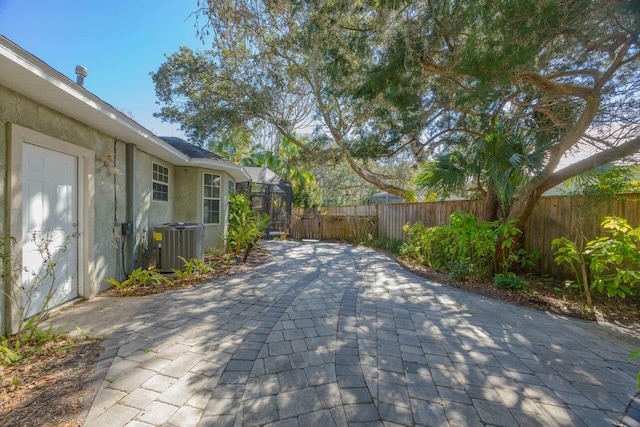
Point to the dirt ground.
(50, 388)
(54, 388)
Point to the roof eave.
(32, 77)
(236, 171)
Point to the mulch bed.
(223, 268)
(545, 294)
(50, 388)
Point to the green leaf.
(634, 354)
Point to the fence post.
(377, 221)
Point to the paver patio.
(327, 334)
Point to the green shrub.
(427, 245)
(193, 268)
(384, 243)
(613, 262)
(246, 227)
(466, 247)
(10, 352)
(509, 281)
(458, 270)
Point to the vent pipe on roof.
(81, 73)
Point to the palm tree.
(495, 167)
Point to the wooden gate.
(315, 225)
(307, 225)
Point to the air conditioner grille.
(178, 240)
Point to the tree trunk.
(520, 211)
(490, 204)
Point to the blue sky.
(120, 43)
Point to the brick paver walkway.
(328, 334)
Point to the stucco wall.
(22, 111)
(149, 213)
(187, 195)
(109, 190)
(187, 200)
(184, 205)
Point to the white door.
(49, 228)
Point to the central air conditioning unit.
(178, 239)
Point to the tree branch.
(373, 179)
(549, 86)
(602, 158)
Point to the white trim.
(219, 198)
(154, 181)
(86, 170)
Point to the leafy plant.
(246, 227)
(458, 270)
(567, 253)
(193, 268)
(140, 277)
(10, 351)
(33, 334)
(509, 281)
(507, 232)
(25, 343)
(614, 261)
(426, 245)
(597, 189)
(466, 247)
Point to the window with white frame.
(211, 199)
(160, 182)
(231, 188)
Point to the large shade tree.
(494, 91)
(440, 80)
(265, 70)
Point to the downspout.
(7, 291)
(131, 180)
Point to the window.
(231, 188)
(160, 183)
(211, 199)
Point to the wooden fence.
(318, 226)
(552, 217)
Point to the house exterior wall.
(149, 213)
(184, 205)
(107, 192)
(16, 109)
(188, 202)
